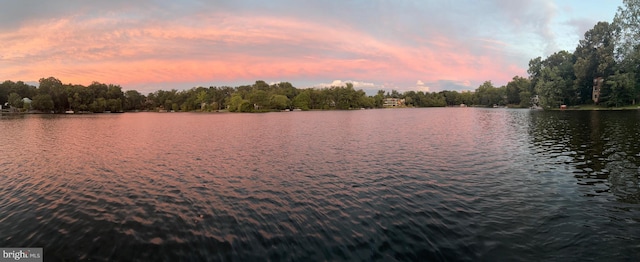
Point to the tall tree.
(133, 100)
(517, 86)
(42, 102)
(15, 100)
(627, 23)
(594, 58)
(489, 95)
(54, 88)
(303, 100)
(555, 79)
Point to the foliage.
(488, 95)
(594, 58)
(15, 100)
(302, 100)
(555, 80)
(279, 102)
(42, 102)
(619, 89)
(517, 86)
(627, 27)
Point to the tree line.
(604, 69)
(52, 95)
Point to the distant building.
(393, 102)
(597, 85)
(26, 102)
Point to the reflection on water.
(408, 184)
(603, 147)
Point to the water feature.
(408, 184)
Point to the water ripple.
(421, 184)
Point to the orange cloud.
(230, 48)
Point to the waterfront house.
(393, 102)
(597, 86)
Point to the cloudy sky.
(428, 45)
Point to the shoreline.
(595, 108)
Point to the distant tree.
(279, 102)
(379, 98)
(98, 106)
(303, 100)
(15, 100)
(367, 102)
(42, 102)
(133, 100)
(287, 89)
(114, 105)
(515, 88)
(489, 95)
(259, 98)
(5, 87)
(237, 104)
(261, 85)
(202, 97)
(58, 92)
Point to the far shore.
(568, 108)
(595, 108)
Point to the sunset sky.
(377, 44)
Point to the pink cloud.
(230, 48)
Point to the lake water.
(398, 184)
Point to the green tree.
(489, 95)
(5, 87)
(303, 100)
(515, 88)
(42, 102)
(535, 70)
(54, 88)
(451, 97)
(133, 100)
(114, 105)
(379, 98)
(594, 58)
(99, 105)
(627, 27)
(555, 80)
(238, 104)
(279, 102)
(259, 98)
(15, 100)
(202, 97)
(618, 90)
(367, 102)
(261, 85)
(525, 99)
(550, 88)
(628, 43)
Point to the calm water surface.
(405, 184)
